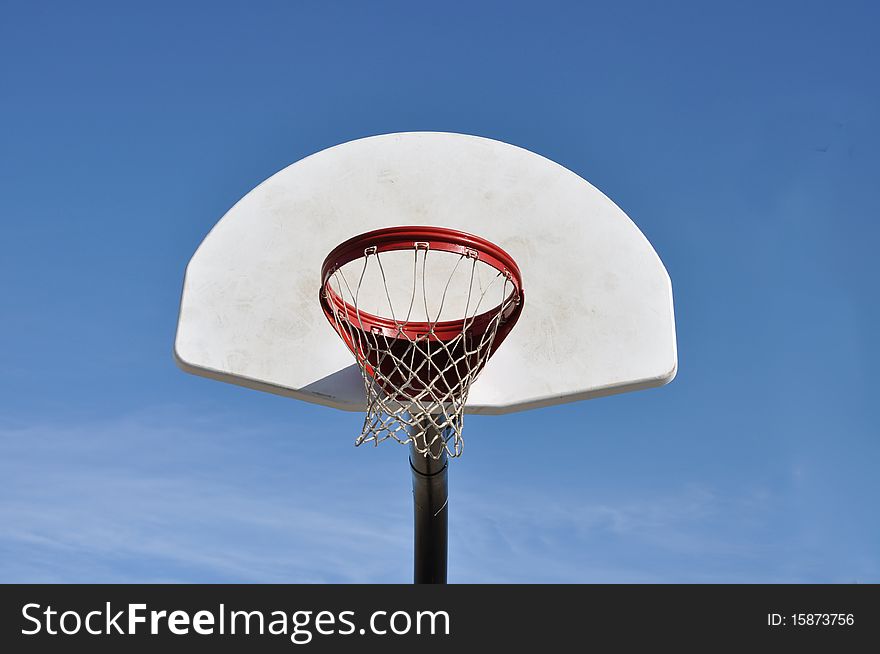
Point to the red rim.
(430, 238)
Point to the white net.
(440, 315)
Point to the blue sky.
(742, 139)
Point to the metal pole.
(430, 501)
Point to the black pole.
(430, 500)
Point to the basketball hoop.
(418, 366)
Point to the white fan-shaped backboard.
(598, 315)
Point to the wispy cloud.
(647, 538)
(139, 501)
(169, 497)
